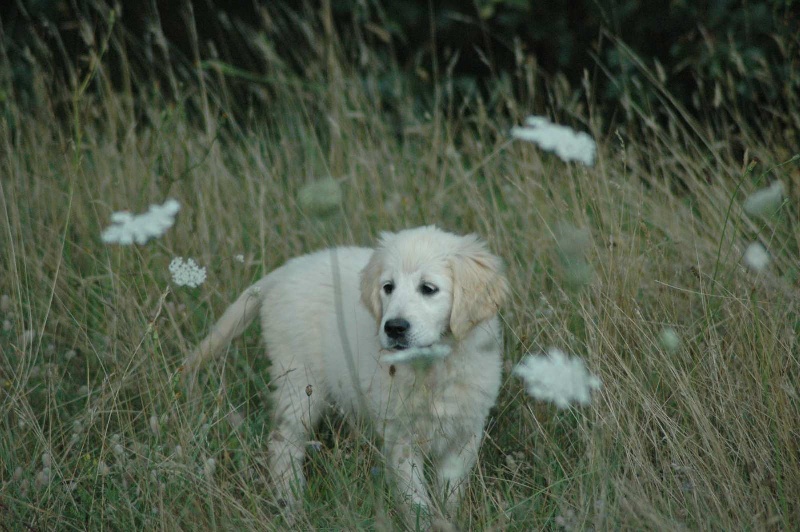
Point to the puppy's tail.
(232, 323)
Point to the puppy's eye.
(388, 288)
(428, 289)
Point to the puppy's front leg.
(406, 464)
(453, 469)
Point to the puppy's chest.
(433, 399)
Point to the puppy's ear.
(480, 287)
(370, 279)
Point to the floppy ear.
(479, 285)
(370, 291)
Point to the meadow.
(635, 264)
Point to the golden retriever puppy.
(405, 336)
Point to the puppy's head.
(422, 283)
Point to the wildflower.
(210, 467)
(103, 469)
(235, 419)
(569, 145)
(47, 460)
(186, 273)
(429, 354)
(128, 228)
(239, 258)
(43, 477)
(321, 197)
(154, 426)
(669, 339)
(27, 337)
(557, 378)
(766, 201)
(756, 257)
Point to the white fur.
(323, 318)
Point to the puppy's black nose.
(396, 328)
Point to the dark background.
(735, 54)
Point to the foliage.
(732, 55)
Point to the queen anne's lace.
(186, 273)
(128, 228)
(557, 378)
(569, 145)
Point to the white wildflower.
(155, 428)
(235, 419)
(128, 228)
(210, 467)
(766, 201)
(43, 477)
(321, 197)
(669, 339)
(568, 144)
(103, 469)
(430, 353)
(186, 273)
(756, 257)
(557, 378)
(239, 258)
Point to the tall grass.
(96, 433)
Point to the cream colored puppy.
(405, 336)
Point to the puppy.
(405, 336)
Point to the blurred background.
(738, 57)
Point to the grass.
(94, 429)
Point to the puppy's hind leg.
(298, 407)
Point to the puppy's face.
(416, 305)
(424, 284)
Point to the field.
(635, 264)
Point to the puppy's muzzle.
(397, 329)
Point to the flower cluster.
(569, 145)
(322, 197)
(557, 378)
(756, 257)
(766, 201)
(128, 228)
(186, 273)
